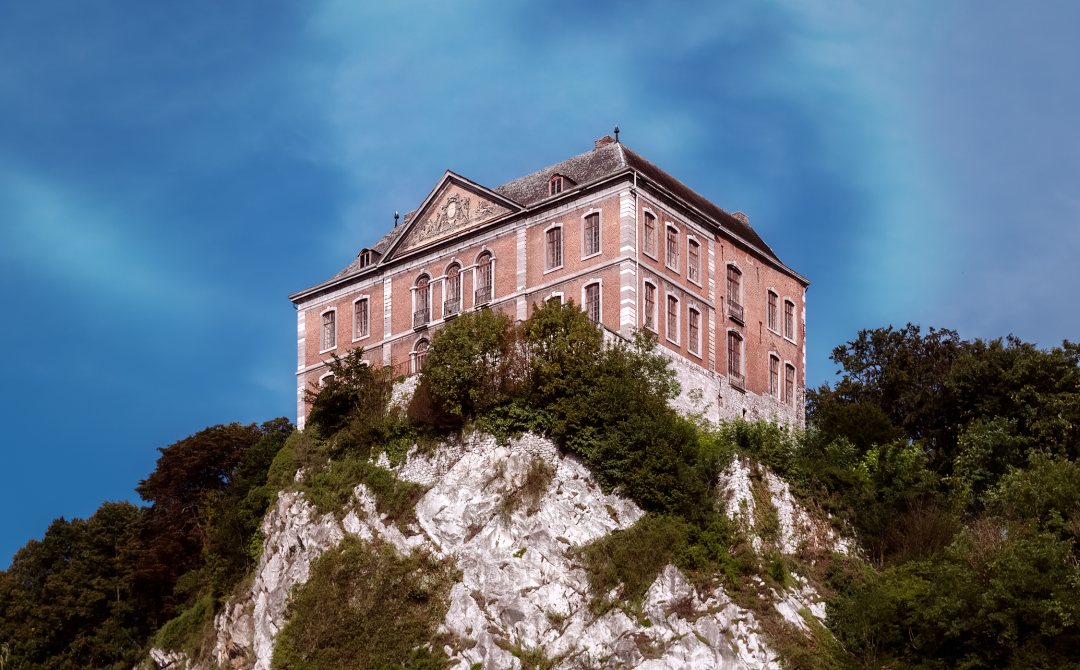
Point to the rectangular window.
(772, 311)
(361, 318)
(650, 234)
(694, 334)
(554, 248)
(650, 307)
(592, 302)
(483, 279)
(591, 243)
(734, 354)
(734, 279)
(789, 383)
(329, 330)
(789, 319)
(774, 377)
(673, 318)
(672, 258)
(693, 261)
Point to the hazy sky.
(170, 172)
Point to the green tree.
(68, 600)
(474, 364)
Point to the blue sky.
(169, 173)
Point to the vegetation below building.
(953, 462)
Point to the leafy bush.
(474, 364)
(185, 631)
(330, 488)
(385, 609)
(627, 562)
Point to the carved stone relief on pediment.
(455, 210)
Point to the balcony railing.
(735, 310)
(451, 307)
(421, 317)
(483, 295)
(738, 380)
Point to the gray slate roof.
(585, 168)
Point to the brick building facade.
(606, 229)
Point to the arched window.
(673, 319)
(789, 319)
(789, 383)
(650, 306)
(419, 354)
(422, 301)
(693, 261)
(329, 330)
(693, 334)
(650, 234)
(734, 359)
(671, 258)
(590, 235)
(774, 376)
(592, 302)
(452, 304)
(484, 283)
(554, 249)
(734, 293)
(361, 318)
(772, 315)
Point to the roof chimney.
(741, 217)
(604, 141)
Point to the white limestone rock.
(799, 527)
(521, 586)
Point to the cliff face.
(521, 582)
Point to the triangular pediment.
(455, 206)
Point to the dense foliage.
(91, 593)
(956, 462)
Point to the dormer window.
(365, 258)
(555, 185)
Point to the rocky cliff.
(521, 583)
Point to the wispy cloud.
(52, 232)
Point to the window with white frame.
(734, 355)
(361, 318)
(789, 383)
(452, 297)
(590, 242)
(693, 261)
(771, 309)
(734, 293)
(774, 376)
(554, 248)
(650, 306)
(671, 258)
(789, 319)
(484, 285)
(422, 301)
(592, 302)
(650, 234)
(673, 318)
(555, 185)
(329, 330)
(419, 354)
(693, 331)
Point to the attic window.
(555, 185)
(365, 258)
